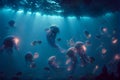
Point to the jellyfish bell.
(114, 40)
(54, 29)
(29, 57)
(52, 58)
(11, 23)
(104, 29)
(36, 55)
(78, 44)
(68, 61)
(103, 51)
(117, 57)
(33, 43)
(87, 34)
(16, 40)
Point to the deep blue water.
(30, 27)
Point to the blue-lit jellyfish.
(53, 63)
(11, 23)
(9, 44)
(81, 50)
(33, 43)
(51, 37)
(29, 57)
(71, 53)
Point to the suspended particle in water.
(104, 29)
(95, 69)
(117, 57)
(114, 40)
(104, 51)
(69, 68)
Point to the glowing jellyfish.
(104, 51)
(84, 48)
(95, 69)
(87, 34)
(36, 55)
(104, 29)
(114, 40)
(68, 61)
(117, 57)
(52, 58)
(16, 40)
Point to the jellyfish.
(53, 63)
(33, 43)
(104, 29)
(81, 51)
(29, 57)
(36, 55)
(87, 34)
(51, 37)
(114, 40)
(11, 23)
(9, 43)
(71, 53)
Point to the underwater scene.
(59, 40)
